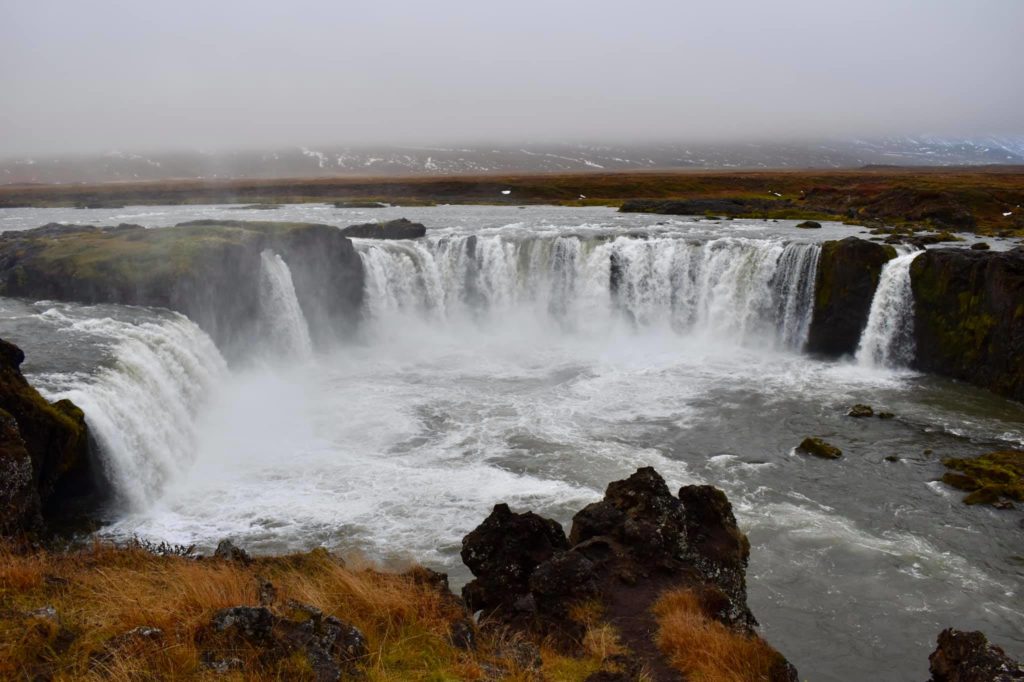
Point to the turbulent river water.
(532, 356)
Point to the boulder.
(502, 553)
(229, 551)
(848, 274)
(809, 225)
(989, 479)
(819, 448)
(392, 229)
(969, 317)
(861, 411)
(968, 657)
(45, 458)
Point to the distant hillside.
(384, 161)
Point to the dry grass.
(706, 650)
(101, 592)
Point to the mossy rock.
(860, 411)
(989, 478)
(819, 448)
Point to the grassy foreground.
(65, 615)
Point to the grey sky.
(94, 75)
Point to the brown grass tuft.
(705, 650)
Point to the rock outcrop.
(969, 317)
(848, 274)
(996, 478)
(625, 551)
(44, 451)
(968, 657)
(208, 269)
(392, 229)
(732, 207)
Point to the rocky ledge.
(45, 462)
(208, 270)
(643, 561)
(392, 229)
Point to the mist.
(165, 76)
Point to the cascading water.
(285, 325)
(739, 288)
(142, 409)
(888, 337)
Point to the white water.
(737, 289)
(285, 326)
(888, 337)
(143, 408)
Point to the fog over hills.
(326, 161)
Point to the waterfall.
(285, 326)
(888, 337)
(736, 288)
(142, 408)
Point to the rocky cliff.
(208, 270)
(969, 317)
(44, 451)
(848, 274)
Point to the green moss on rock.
(988, 478)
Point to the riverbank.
(986, 200)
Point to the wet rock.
(809, 225)
(45, 463)
(989, 478)
(848, 274)
(718, 549)
(819, 448)
(891, 458)
(860, 411)
(392, 229)
(229, 551)
(885, 415)
(969, 317)
(980, 246)
(502, 553)
(358, 204)
(968, 657)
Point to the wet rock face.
(848, 274)
(392, 229)
(968, 657)
(44, 451)
(208, 270)
(816, 447)
(969, 317)
(502, 553)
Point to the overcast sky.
(141, 75)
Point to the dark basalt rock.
(819, 448)
(229, 551)
(208, 270)
(626, 550)
(809, 225)
(392, 229)
(332, 647)
(848, 274)
(968, 657)
(980, 246)
(969, 317)
(45, 461)
(502, 553)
